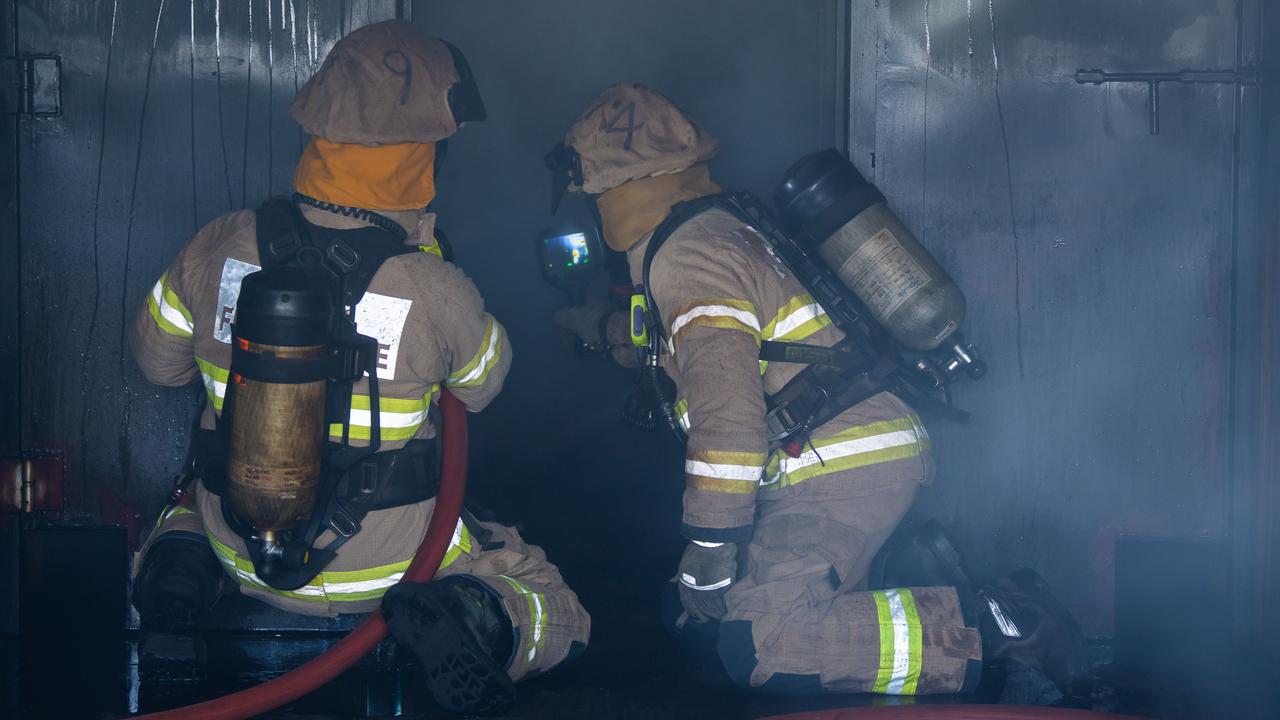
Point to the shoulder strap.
(352, 257)
(680, 214)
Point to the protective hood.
(385, 177)
(632, 210)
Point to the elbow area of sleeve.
(486, 358)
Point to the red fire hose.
(332, 662)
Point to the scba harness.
(307, 267)
(866, 363)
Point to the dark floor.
(616, 541)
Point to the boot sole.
(461, 675)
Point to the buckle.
(343, 524)
(369, 472)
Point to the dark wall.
(1101, 263)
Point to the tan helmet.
(631, 132)
(388, 83)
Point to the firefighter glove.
(706, 572)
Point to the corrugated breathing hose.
(334, 661)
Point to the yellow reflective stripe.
(168, 311)
(901, 642)
(724, 313)
(215, 381)
(858, 446)
(173, 511)
(477, 370)
(338, 586)
(727, 472)
(433, 249)
(537, 617)
(242, 569)
(682, 414)
(797, 320)
(400, 418)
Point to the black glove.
(706, 572)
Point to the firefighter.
(779, 546)
(378, 111)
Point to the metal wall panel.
(1097, 260)
(174, 112)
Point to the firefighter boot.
(923, 557)
(176, 587)
(1022, 622)
(462, 637)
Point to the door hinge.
(31, 85)
(31, 481)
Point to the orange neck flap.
(382, 177)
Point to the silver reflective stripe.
(691, 582)
(749, 473)
(364, 418)
(789, 323)
(743, 316)
(704, 544)
(845, 449)
(538, 622)
(1007, 626)
(901, 642)
(486, 361)
(169, 312)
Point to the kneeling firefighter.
(323, 326)
(802, 455)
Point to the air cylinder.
(279, 374)
(834, 211)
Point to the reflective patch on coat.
(382, 317)
(233, 272)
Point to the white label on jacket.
(382, 317)
(233, 272)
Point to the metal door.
(172, 114)
(1099, 259)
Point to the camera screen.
(567, 251)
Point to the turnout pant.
(550, 624)
(800, 619)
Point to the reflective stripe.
(477, 370)
(338, 586)
(794, 322)
(215, 382)
(682, 414)
(858, 446)
(432, 249)
(168, 311)
(537, 617)
(726, 472)
(172, 511)
(691, 582)
(725, 313)
(901, 643)
(798, 319)
(400, 419)
(746, 473)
